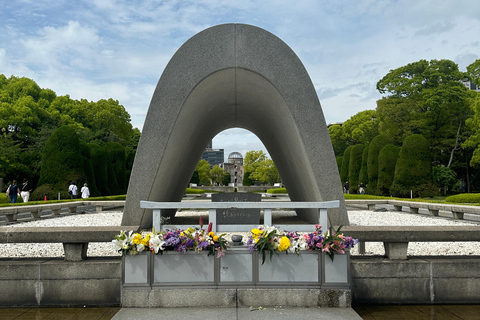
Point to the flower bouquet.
(271, 239)
(191, 239)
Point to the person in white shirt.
(85, 191)
(25, 190)
(72, 190)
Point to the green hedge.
(374, 148)
(387, 159)
(413, 170)
(345, 165)
(464, 198)
(363, 177)
(194, 191)
(354, 167)
(364, 197)
(277, 190)
(62, 162)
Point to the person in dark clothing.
(361, 188)
(13, 191)
(346, 187)
(25, 190)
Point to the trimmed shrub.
(62, 162)
(194, 191)
(88, 169)
(277, 190)
(354, 167)
(339, 160)
(363, 177)
(116, 167)
(345, 165)
(374, 148)
(464, 198)
(414, 169)
(387, 159)
(51, 193)
(99, 159)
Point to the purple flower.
(203, 245)
(189, 243)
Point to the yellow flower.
(145, 240)
(256, 233)
(211, 234)
(182, 234)
(136, 238)
(284, 244)
(215, 238)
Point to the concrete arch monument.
(234, 75)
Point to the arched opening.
(234, 76)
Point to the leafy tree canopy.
(473, 72)
(259, 168)
(217, 174)
(29, 115)
(203, 170)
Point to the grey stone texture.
(230, 298)
(419, 280)
(234, 75)
(55, 282)
(240, 313)
(97, 282)
(237, 216)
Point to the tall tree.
(203, 170)
(217, 174)
(473, 72)
(426, 98)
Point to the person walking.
(361, 188)
(346, 187)
(13, 191)
(25, 190)
(72, 190)
(85, 191)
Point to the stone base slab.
(141, 297)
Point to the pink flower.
(220, 252)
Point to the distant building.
(471, 86)
(234, 166)
(335, 123)
(213, 156)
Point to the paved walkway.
(407, 312)
(237, 313)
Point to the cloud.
(119, 48)
(72, 46)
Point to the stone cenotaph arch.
(227, 76)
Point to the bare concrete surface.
(276, 313)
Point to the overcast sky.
(100, 49)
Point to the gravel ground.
(357, 217)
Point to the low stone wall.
(53, 282)
(419, 280)
(97, 281)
